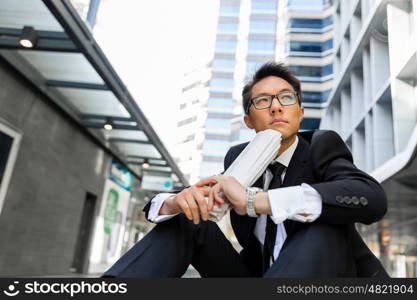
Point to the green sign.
(110, 211)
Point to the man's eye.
(287, 98)
(262, 100)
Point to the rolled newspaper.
(251, 164)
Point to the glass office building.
(306, 44)
(372, 106)
(250, 33)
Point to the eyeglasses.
(265, 101)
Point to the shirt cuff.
(291, 202)
(156, 204)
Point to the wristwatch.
(250, 201)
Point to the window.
(187, 121)
(223, 63)
(221, 82)
(227, 26)
(220, 104)
(310, 124)
(315, 97)
(218, 126)
(263, 26)
(327, 21)
(307, 4)
(326, 95)
(215, 147)
(193, 85)
(327, 70)
(226, 46)
(264, 5)
(327, 45)
(310, 23)
(305, 23)
(264, 46)
(252, 66)
(188, 138)
(210, 168)
(313, 71)
(244, 135)
(311, 46)
(9, 144)
(305, 46)
(308, 71)
(229, 9)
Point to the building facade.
(192, 115)
(56, 171)
(372, 105)
(305, 43)
(78, 158)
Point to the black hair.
(266, 70)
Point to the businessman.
(296, 221)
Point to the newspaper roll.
(251, 164)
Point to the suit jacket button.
(347, 199)
(363, 201)
(355, 200)
(339, 199)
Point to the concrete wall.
(57, 164)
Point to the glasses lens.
(288, 98)
(262, 102)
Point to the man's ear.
(301, 114)
(248, 121)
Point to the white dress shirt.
(286, 203)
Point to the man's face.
(285, 119)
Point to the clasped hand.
(218, 189)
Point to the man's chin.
(283, 135)
(276, 129)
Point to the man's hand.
(227, 188)
(233, 191)
(191, 201)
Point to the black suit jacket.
(349, 195)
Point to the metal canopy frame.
(47, 40)
(77, 38)
(77, 85)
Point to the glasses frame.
(276, 96)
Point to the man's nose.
(275, 105)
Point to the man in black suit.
(298, 222)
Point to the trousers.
(319, 250)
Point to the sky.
(150, 44)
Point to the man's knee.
(315, 250)
(326, 232)
(177, 222)
(323, 242)
(182, 225)
(323, 239)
